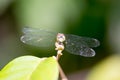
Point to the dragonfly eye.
(60, 37)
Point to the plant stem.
(58, 56)
(62, 74)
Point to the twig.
(62, 75)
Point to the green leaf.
(30, 68)
(45, 70)
(108, 69)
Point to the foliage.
(30, 68)
(108, 69)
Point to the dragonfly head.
(60, 37)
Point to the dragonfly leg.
(59, 48)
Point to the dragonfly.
(73, 44)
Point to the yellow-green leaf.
(108, 69)
(30, 68)
(46, 70)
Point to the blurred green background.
(99, 19)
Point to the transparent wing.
(38, 37)
(80, 45)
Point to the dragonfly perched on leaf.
(73, 44)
